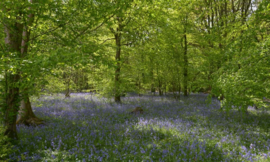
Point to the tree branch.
(107, 40)
(97, 27)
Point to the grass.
(87, 128)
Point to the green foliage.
(73, 46)
(6, 147)
(243, 79)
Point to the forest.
(131, 80)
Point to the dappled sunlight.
(92, 129)
(228, 143)
(132, 81)
(179, 141)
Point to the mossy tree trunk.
(11, 106)
(17, 42)
(13, 31)
(26, 115)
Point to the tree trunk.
(164, 88)
(117, 95)
(160, 92)
(26, 115)
(153, 90)
(13, 31)
(159, 84)
(139, 85)
(67, 94)
(12, 106)
(185, 66)
(179, 90)
(17, 39)
(67, 79)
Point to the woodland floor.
(87, 128)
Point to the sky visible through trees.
(71, 71)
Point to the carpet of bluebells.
(88, 128)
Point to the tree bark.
(153, 90)
(117, 36)
(13, 31)
(185, 65)
(67, 94)
(17, 39)
(160, 91)
(26, 115)
(117, 95)
(12, 106)
(67, 80)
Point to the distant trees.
(237, 77)
(124, 26)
